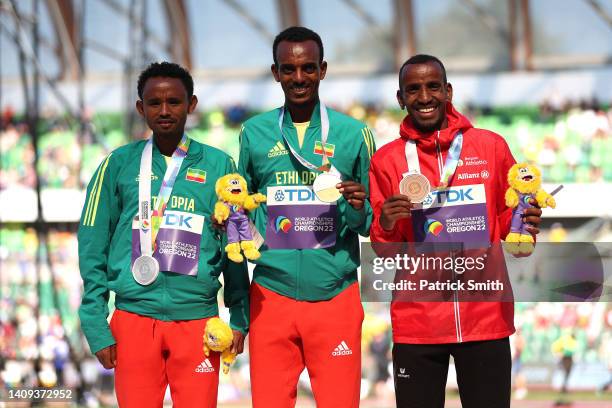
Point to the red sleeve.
(381, 187)
(506, 161)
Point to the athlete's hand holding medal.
(414, 188)
(394, 208)
(354, 193)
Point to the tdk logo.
(177, 220)
(458, 195)
(428, 200)
(295, 194)
(453, 195)
(292, 195)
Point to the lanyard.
(452, 159)
(324, 133)
(149, 229)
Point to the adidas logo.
(277, 150)
(342, 350)
(205, 367)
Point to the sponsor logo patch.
(342, 350)
(277, 150)
(328, 149)
(205, 367)
(197, 175)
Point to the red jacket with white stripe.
(485, 159)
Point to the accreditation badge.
(298, 219)
(453, 214)
(177, 246)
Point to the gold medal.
(324, 187)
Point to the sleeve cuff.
(379, 234)
(239, 319)
(98, 337)
(355, 218)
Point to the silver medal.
(415, 186)
(145, 269)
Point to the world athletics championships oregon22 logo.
(432, 226)
(283, 224)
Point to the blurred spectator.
(564, 348)
(520, 381)
(557, 233)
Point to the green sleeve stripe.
(372, 144)
(366, 139)
(92, 221)
(92, 194)
(240, 134)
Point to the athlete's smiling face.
(165, 106)
(424, 93)
(299, 71)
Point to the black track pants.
(483, 373)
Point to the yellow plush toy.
(218, 337)
(234, 199)
(525, 181)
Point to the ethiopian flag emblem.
(328, 149)
(199, 176)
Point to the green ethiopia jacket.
(105, 244)
(265, 161)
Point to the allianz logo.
(467, 176)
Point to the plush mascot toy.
(218, 337)
(525, 181)
(234, 199)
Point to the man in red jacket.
(441, 145)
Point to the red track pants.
(153, 353)
(287, 335)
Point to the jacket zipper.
(297, 274)
(455, 294)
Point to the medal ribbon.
(324, 133)
(150, 220)
(450, 165)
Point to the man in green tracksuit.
(305, 304)
(145, 235)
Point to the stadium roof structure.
(402, 27)
(79, 42)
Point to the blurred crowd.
(570, 142)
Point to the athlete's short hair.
(422, 59)
(167, 70)
(297, 34)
